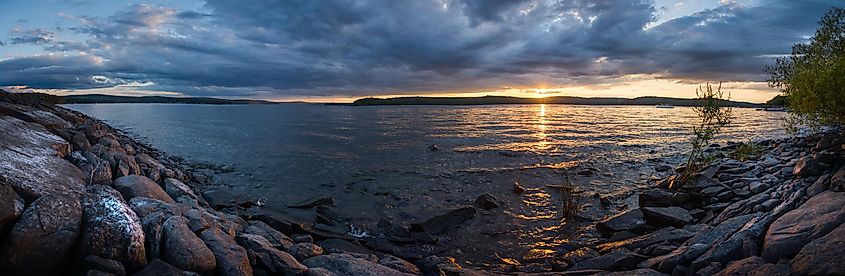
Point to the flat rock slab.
(631, 221)
(815, 218)
(663, 235)
(674, 216)
(31, 161)
(823, 256)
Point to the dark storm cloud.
(268, 48)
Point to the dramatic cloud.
(268, 48)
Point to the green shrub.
(713, 116)
(812, 77)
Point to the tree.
(713, 116)
(812, 77)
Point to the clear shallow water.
(376, 163)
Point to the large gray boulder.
(231, 258)
(31, 161)
(42, 241)
(823, 256)
(112, 230)
(346, 264)
(815, 218)
(270, 258)
(132, 186)
(183, 249)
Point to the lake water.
(376, 162)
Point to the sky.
(338, 51)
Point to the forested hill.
(549, 100)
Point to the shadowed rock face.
(42, 241)
(112, 230)
(823, 256)
(346, 264)
(31, 161)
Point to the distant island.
(99, 98)
(491, 100)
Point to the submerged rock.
(487, 202)
(441, 223)
(42, 241)
(112, 230)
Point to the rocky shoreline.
(77, 197)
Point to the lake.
(378, 165)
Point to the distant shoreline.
(499, 100)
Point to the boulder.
(614, 261)
(674, 216)
(823, 256)
(143, 206)
(662, 198)
(152, 224)
(105, 265)
(31, 161)
(184, 250)
(667, 234)
(302, 251)
(347, 264)
(441, 223)
(230, 257)
(837, 181)
(270, 258)
(631, 221)
(111, 229)
(778, 269)
(158, 267)
(742, 267)
(176, 188)
(132, 186)
(487, 202)
(276, 238)
(636, 272)
(11, 208)
(197, 220)
(813, 219)
(398, 264)
(806, 166)
(42, 241)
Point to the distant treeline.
(549, 100)
(97, 98)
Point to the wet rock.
(105, 265)
(674, 216)
(667, 234)
(823, 256)
(219, 199)
(133, 186)
(614, 261)
(158, 267)
(231, 258)
(517, 188)
(815, 218)
(11, 208)
(43, 239)
(183, 249)
(579, 255)
(631, 220)
(441, 223)
(487, 202)
(302, 251)
(276, 238)
(313, 202)
(742, 267)
(662, 198)
(111, 230)
(175, 188)
(270, 258)
(326, 215)
(806, 166)
(398, 264)
(31, 161)
(143, 206)
(346, 264)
